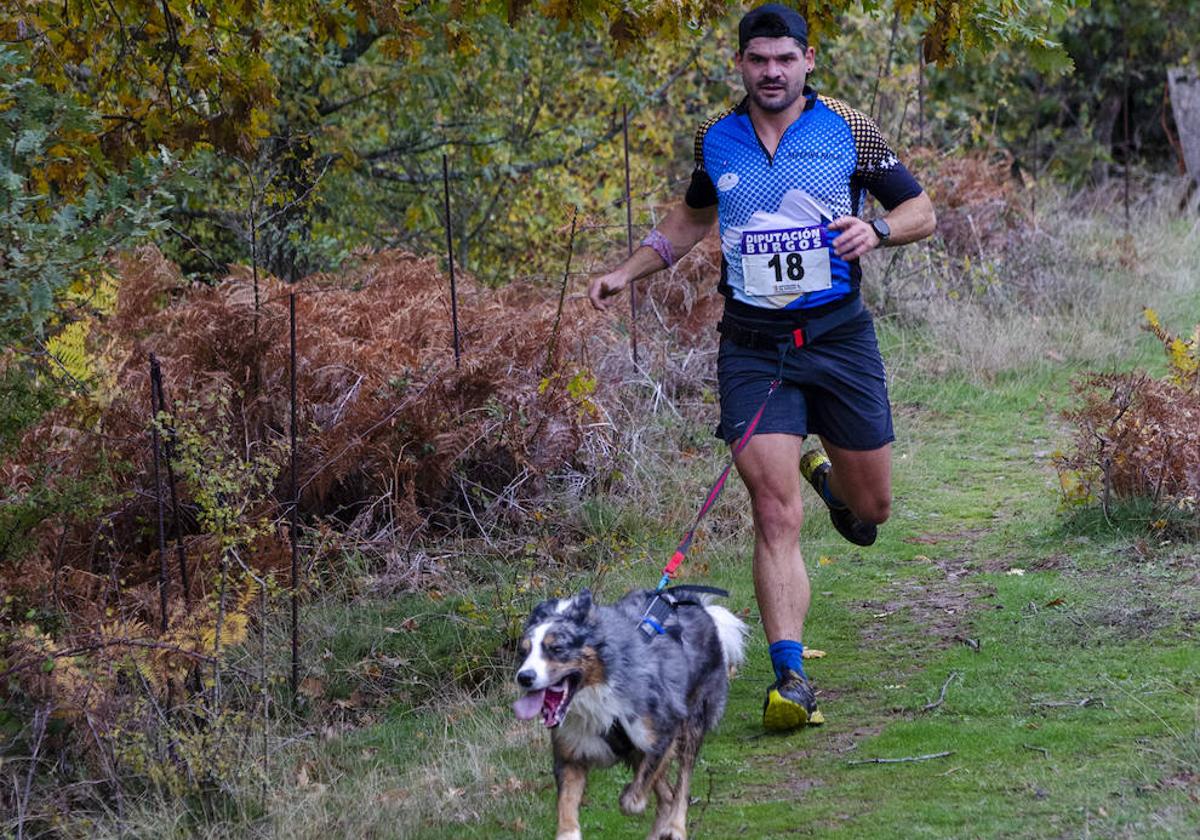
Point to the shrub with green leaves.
(62, 209)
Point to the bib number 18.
(794, 269)
(785, 263)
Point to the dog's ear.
(540, 613)
(582, 606)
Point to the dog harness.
(666, 601)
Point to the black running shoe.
(814, 466)
(790, 704)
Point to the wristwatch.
(881, 230)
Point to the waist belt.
(809, 328)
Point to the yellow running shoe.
(790, 704)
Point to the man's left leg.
(856, 486)
(862, 480)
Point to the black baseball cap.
(771, 20)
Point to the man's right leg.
(769, 467)
(849, 398)
(856, 486)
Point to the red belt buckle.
(798, 337)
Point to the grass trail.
(1067, 648)
(1066, 645)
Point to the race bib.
(792, 261)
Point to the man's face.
(774, 71)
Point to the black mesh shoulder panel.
(875, 156)
(877, 170)
(703, 130)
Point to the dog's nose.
(525, 678)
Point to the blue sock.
(787, 654)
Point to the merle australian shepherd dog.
(609, 692)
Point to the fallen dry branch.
(1083, 703)
(903, 760)
(929, 707)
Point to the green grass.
(1065, 643)
(1072, 710)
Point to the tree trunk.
(288, 167)
(1184, 86)
(1103, 127)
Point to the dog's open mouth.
(552, 702)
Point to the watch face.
(881, 228)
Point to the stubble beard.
(776, 105)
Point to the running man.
(785, 174)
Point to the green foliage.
(43, 495)
(1071, 124)
(1027, 28)
(23, 398)
(530, 120)
(230, 488)
(316, 126)
(171, 73)
(59, 212)
(1115, 45)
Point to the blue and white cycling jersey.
(774, 210)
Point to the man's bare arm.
(683, 227)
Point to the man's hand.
(856, 238)
(684, 226)
(605, 286)
(910, 220)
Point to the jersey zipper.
(761, 145)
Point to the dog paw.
(632, 802)
(574, 834)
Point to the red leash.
(803, 336)
(649, 623)
(714, 493)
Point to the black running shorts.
(835, 387)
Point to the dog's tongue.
(528, 707)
